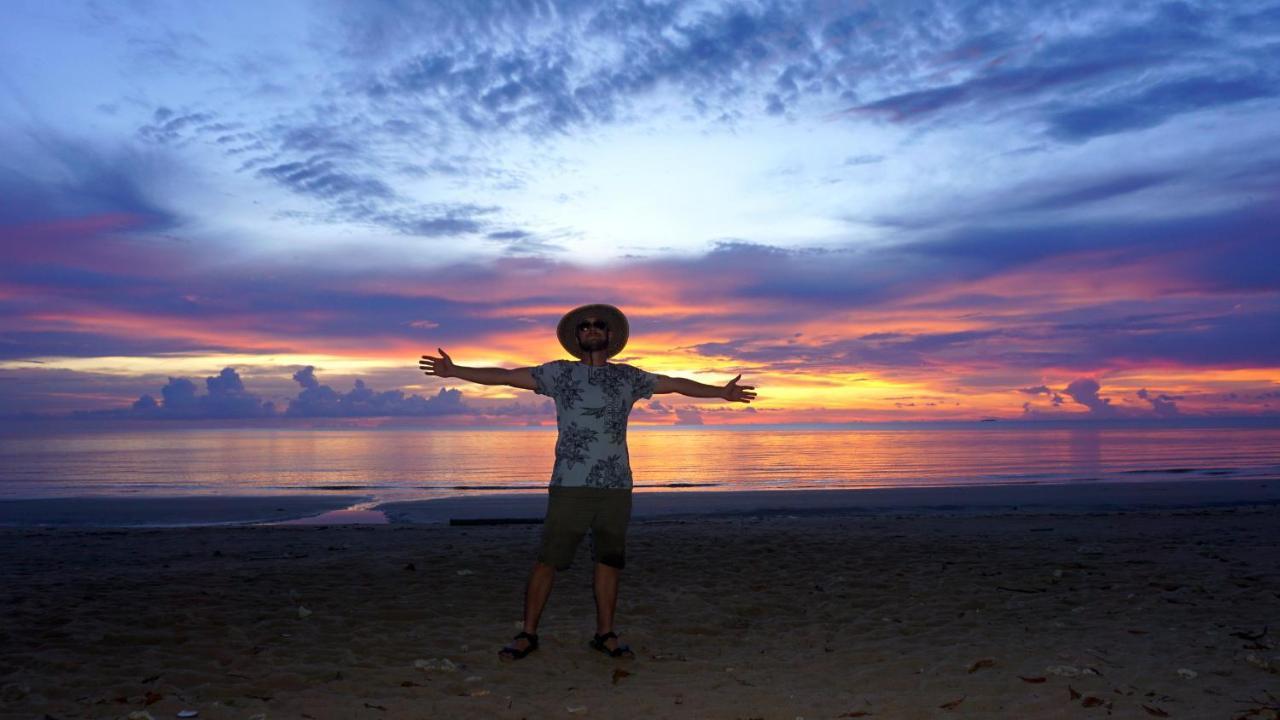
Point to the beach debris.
(258, 716)
(577, 709)
(440, 664)
(188, 713)
(1268, 709)
(1251, 637)
(1075, 695)
(1271, 665)
(465, 571)
(151, 698)
(953, 704)
(303, 613)
(619, 674)
(1030, 591)
(148, 680)
(1090, 550)
(371, 706)
(1155, 711)
(1032, 680)
(479, 692)
(1069, 671)
(1187, 673)
(979, 664)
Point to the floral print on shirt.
(592, 408)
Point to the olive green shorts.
(572, 511)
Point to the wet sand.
(166, 511)
(1139, 613)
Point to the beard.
(595, 344)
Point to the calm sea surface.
(425, 463)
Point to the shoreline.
(979, 499)
(206, 510)
(161, 512)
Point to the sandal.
(511, 653)
(622, 651)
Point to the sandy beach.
(1153, 613)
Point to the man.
(591, 482)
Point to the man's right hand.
(439, 366)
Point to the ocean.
(410, 464)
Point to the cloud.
(1106, 189)
(70, 179)
(316, 400)
(322, 179)
(688, 416)
(1085, 392)
(225, 397)
(1157, 104)
(1163, 405)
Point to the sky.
(872, 211)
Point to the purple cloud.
(1163, 405)
(1085, 392)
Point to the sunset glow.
(871, 211)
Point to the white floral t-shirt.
(592, 406)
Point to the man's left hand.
(733, 392)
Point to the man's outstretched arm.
(733, 392)
(443, 367)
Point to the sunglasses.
(597, 324)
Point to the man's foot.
(608, 644)
(521, 646)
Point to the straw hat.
(619, 329)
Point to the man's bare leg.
(606, 589)
(541, 578)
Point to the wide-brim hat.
(619, 329)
